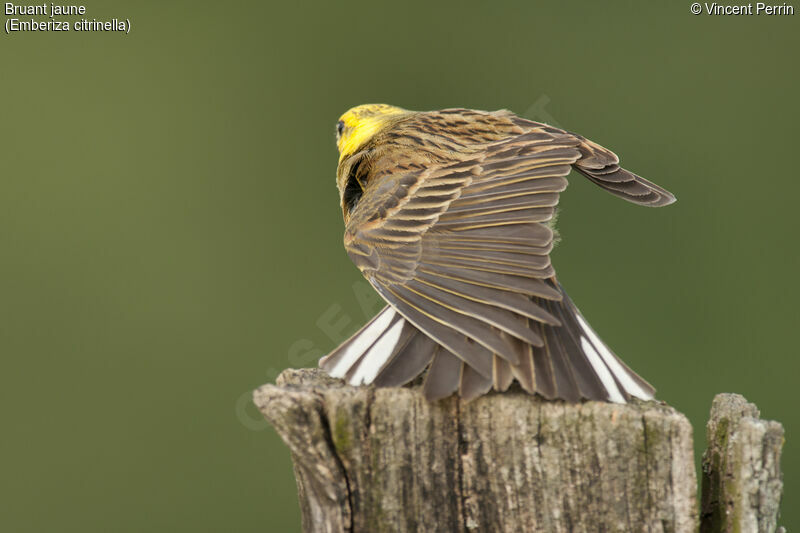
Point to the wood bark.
(374, 460)
(742, 481)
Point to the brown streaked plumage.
(447, 214)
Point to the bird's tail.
(571, 364)
(575, 363)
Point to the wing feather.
(455, 238)
(454, 340)
(518, 303)
(504, 282)
(502, 319)
(459, 246)
(449, 316)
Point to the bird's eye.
(339, 128)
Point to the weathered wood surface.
(374, 460)
(742, 481)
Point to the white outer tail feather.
(378, 354)
(611, 364)
(372, 348)
(363, 342)
(602, 371)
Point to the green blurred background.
(171, 235)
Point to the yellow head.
(359, 124)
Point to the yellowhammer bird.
(447, 214)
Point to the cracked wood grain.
(742, 480)
(374, 460)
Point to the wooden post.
(742, 481)
(375, 460)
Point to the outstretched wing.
(456, 238)
(459, 248)
(601, 166)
